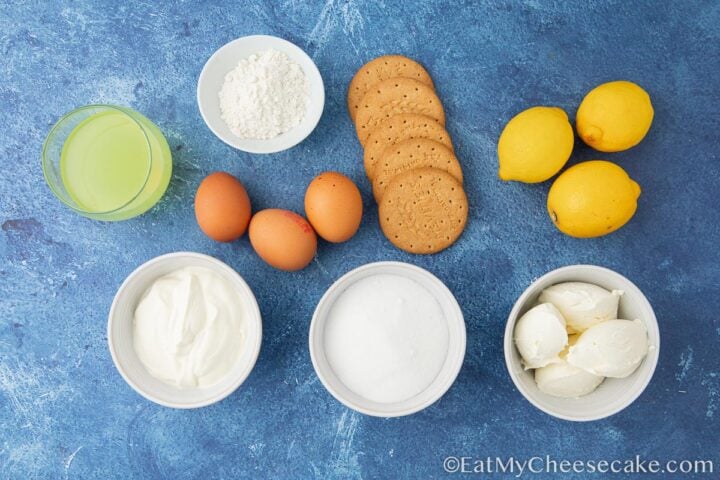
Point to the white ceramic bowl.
(613, 394)
(224, 60)
(120, 333)
(456, 341)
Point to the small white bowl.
(120, 333)
(224, 60)
(613, 394)
(456, 341)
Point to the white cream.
(582, 304)
(386, 338)
(188, 328)
(613, 348)
(540, 336)
(565, 380)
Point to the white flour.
(265, 95)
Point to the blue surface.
(66, 413)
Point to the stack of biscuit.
(409, 158)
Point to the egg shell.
(333, 206)
(282, 238)
(222, 207)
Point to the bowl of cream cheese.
(184, 330)
(387, 339)
(581, 343)
(261, 94)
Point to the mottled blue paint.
(66, 413)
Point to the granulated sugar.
(386, 338)
(264, 96)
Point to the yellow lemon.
(614, 116)
(592, 199)
(535, 144)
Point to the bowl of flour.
(261, 94)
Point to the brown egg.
(222, 207)
(283, 239)
(333, 206)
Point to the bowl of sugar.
(261, 94)
(387, 339)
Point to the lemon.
(535, 144)
(592, 199)
(614, 116)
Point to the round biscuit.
(379, 69)
(393, 96)
(423, 210)
(413, 153)
(397, 128)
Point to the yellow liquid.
(106, 165)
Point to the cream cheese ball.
(540, 336)
(582, 304)
(613, 348)
(565, 380)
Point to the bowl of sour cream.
(184, 330)
(387, 339)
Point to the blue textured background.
(66, 413)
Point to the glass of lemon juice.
(107, 162)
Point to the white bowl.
(120, 333)
(456, 341)
(224, 60)
(613, 394)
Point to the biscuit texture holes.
(397, 129)
(396, 96)
(380, 69)
(421, 215)
(413, 153)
